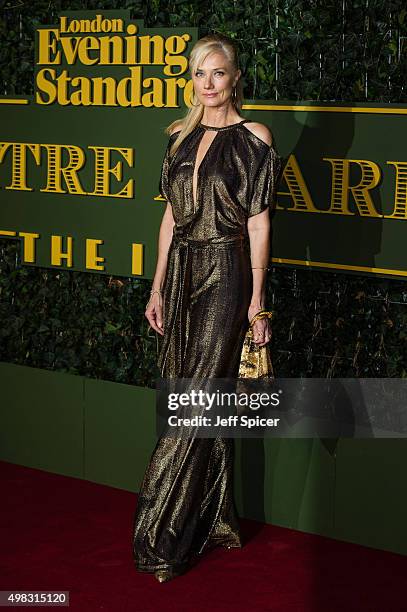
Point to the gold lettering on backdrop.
(28, 246)
(63, 177)
(370, 177)
(133, 82)
(57, 48)
(102, 162)
(108, 91)
(129, 50)
(155, 96)
(98, 24)
(137, 259)
(56, 171)
(92, 257)
(297, 187)
(47, 46)
(57, 254)
(157, 46)
(175, 47)
(19, 162)
(93, 261)
(400, 193)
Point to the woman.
(218, 176)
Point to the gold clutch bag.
(255, 360)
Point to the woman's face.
(214, 80)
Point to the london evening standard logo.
(104, 61)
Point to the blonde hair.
(211, 43)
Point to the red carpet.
(64, 533)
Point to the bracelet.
(152, 293)
(260, 268)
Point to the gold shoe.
(166, 574)
(163, 575)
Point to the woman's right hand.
(154, 313)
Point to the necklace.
(224, 127)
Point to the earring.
(234, 95)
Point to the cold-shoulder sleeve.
(264, 182)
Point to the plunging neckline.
(204, 129)
(196, 199)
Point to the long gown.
(186, 504)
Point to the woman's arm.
(154, 308)
(154, 311)
(164, 241)
(258, 228)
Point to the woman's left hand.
(261, 328)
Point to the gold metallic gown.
(186, 502)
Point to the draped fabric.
(186, 502)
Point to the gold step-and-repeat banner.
(80, 159)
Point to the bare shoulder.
(261, 131)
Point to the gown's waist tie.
(176, 294)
